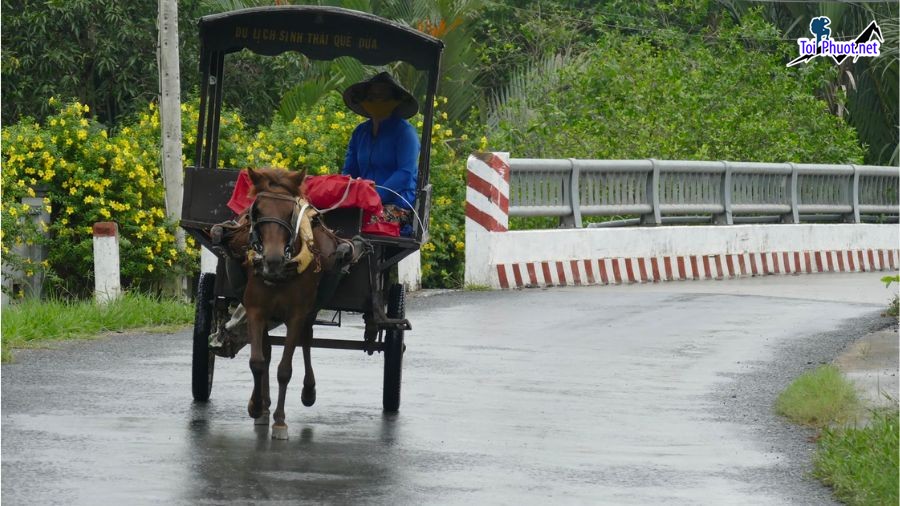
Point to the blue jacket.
(390, 159)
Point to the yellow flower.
(30, 192)
(483, 144)
(70, 210)
(82, 135)
(83, 122)
(13, 212)
(150, 267)
(52, 100)
(105, 212)
(443, 115)
(460, 245)
(320, 118)
(86, 108)
(53, 122)
(88, 199)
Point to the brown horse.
(288, 251)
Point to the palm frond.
(306, 94)
(514, 102)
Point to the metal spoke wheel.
(203, 359)
(393, 350)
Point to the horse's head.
(274, 220)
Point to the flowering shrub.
(90, 174)
(316, 139)
(87, 176)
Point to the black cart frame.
(320, 33)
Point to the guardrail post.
(487, 211)
(726, 218)
(853, 217)
(107, 283)
(795, 197)
(574, 219)
(653, 193)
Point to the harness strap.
(307, 242)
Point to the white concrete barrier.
(107, 282)
(499, 258)
(409, 272)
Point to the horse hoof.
(279, 432)
(262, 419)
(254, 412)
(308, 396)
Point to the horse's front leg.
(266, 399)
(285, 371)
(256, 326)
(309, 378)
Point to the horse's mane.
(276, 181)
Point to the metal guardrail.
(663, 191)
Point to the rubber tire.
(393, 350)
(203, 360)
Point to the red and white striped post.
(487, 210)
(107, 282)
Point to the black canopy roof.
(321, 33)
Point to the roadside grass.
(819, 398)
(34, 323)
(894, 306)
(861, 464)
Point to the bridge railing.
(663, 191)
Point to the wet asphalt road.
(602, 395)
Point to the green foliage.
(819, 398)
(630, 98)
(865, 91)
(861, 464)
(34, 322)
(100, 52)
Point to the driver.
(385, 148)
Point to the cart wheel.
(203, 359)
(393, 350)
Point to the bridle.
(302, 251)
(291, 228)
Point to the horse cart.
(369, 287)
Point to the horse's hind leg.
(263, 419)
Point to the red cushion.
(240, 199)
